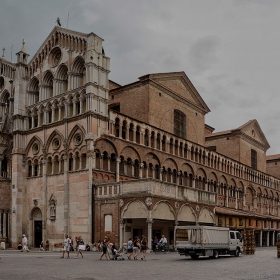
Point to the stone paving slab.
(16, 265)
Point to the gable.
(178, 85)
(252, 131)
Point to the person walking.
(129, 248)
(144, 248)
(136, 247)
(105, 245)
(66, 247)
(81, 247)
(24, 243)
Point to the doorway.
(38, 236)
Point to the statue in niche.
(52, 210)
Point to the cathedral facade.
(82, 155)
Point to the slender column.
(118, 170)
(227, 191)
(273, 238)
(261, 234)
(39, 119)
(121, 232)
(1, 158)
(33, 120)
(140, 170)
(150, 231)
(32, 170)
(160, 174)
(53, 113)
(80, 162)
(66, 195)
(267, 238)
(53, 161)
(59, 166)
(74, 162)
(81, 105)
(74, 107)
(1, 221)
(4, 224)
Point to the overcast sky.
(229, 48)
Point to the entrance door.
(38, 233)
(137, 232)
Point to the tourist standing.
(144, 248)
(81, 247)
(129, 248)
(24, 242)
(66, 246)
(105, 245)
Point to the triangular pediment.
(179, 85)
(252, 130)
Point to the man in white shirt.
(163, 242)
(24, 243)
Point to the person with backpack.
(105, 245)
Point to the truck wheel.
(236, 253)
(215, 254)
(194, 257)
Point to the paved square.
(15, 265)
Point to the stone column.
(141, 165)
(261, 234)
(118, 170)
(4, 224)
(121, 232)
(66, 195)
(267, 238)
(150, 232)
(1, 221)
(273, 238)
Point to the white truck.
(195, 241)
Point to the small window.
(220, 221)
(179, 124)
(250, 222)
(230, 222)
(232, 235)
(238, 235)
(240, 222)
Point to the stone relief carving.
(149, 201)
(121, 202)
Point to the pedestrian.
(66, 247)
(81, 247)
(105, 245)
(155, 243)
(42, 246)
(129, 248)
(136, 247)
(144, 248)
(24, 242)
(71, 248)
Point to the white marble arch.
(186, 214)
(135, 210)
(163, 211)
(206, 216)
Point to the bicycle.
(161, 249)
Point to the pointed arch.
(30, 143)
(135, 209)
(163, 210)
(52, 136)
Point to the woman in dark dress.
(144, 248)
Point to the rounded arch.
(206, 216)
(105, 145)
(186, 214)
(151, 158)
(78, 65)
(170, 163)
(130, 152)
(163, 211)
(187, 168)
(201, 173)
(135, 210)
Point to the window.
(232, 235)
(254, 161)
(179, 124)
(240, 222)
(220, 221)
(230, 222)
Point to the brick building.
(83, 155)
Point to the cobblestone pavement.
(48, 265)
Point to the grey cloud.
(203, 52)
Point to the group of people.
(68, 245)
(133, 246)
